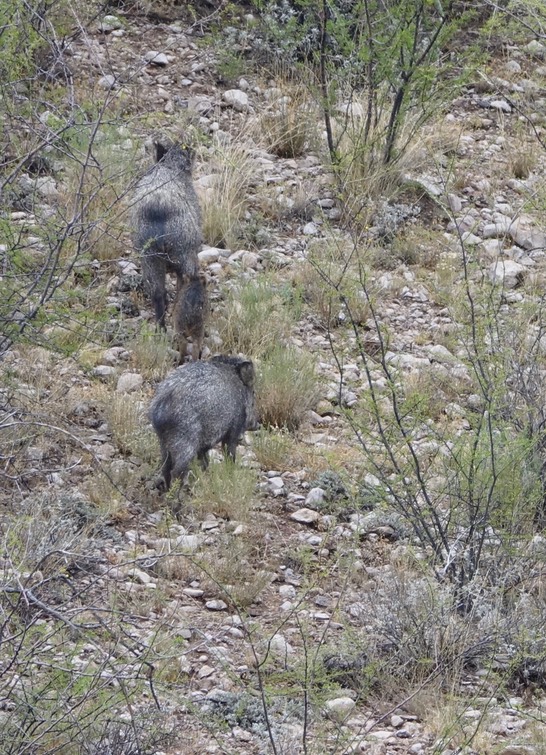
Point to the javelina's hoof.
(160, 484)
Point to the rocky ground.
(310, 582)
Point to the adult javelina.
(191, 309)
(199, 405)
(166, 222)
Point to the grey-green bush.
(191, 310)
(166, 222)
(199, 405)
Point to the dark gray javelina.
(166, 222)
(191, 310)
(199, 405)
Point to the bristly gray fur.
(199, 405)
(166, 222)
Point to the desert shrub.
(128, 423)
(273, 448)
(152, 353)
(226, 489)
(223, 201)
(287, 387)
(254, 318)
(288, 125)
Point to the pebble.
(339, 708)
(315, 497)
(305, 516)
(237, 99)
(216, 605)
(156, 58)
(129, 382)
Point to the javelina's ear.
(246, 373)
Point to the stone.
(209, 254)
(500, 105)
(315, 497)
(107, 82)
(156, 58)
(536, 48)
(188, 543)
(216, 605)
(454, 203)
(310, 229)
(339, 708)
(507, 273)
(275, 486)
(279, 646)
(237, 99)
(109, 23)
(527, 237)
(129, 382)
(305, 516)
(103, 371)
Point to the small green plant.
(254, 319)
(288, 126)
(126, 413)
(287, 387)
(273, 448)
(223, 203)
(152, 353)
(225, 489)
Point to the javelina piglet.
(191, 310)
(199, 405)
(166, 222)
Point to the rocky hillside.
(368, 576)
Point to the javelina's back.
(191, 310)
(199, 405)
(166, 222)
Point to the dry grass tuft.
(289, 125)
(153, 355)
(225, 489)
(287, 388)
(224, 200)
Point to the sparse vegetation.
(375, 565)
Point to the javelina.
(191, 309)
(166, 222)
(199, 405)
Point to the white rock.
(315, 497)
(156, 58)
(140, 576)
(187, 543)
(209, 254)
(455, 204)
(525, 236)
(47, 187)
(500, 105)
(237, 99)
(216, 605)
(205, 671)
(339, 708)
(507, 273)
(107, 82)
(305, 516)
(109, 23)
(104, 371)
(310, 229)
(275, 485)
(279, 646)
(129, 381)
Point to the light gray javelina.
(191, 309)
(166, 222)
(199, 405)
